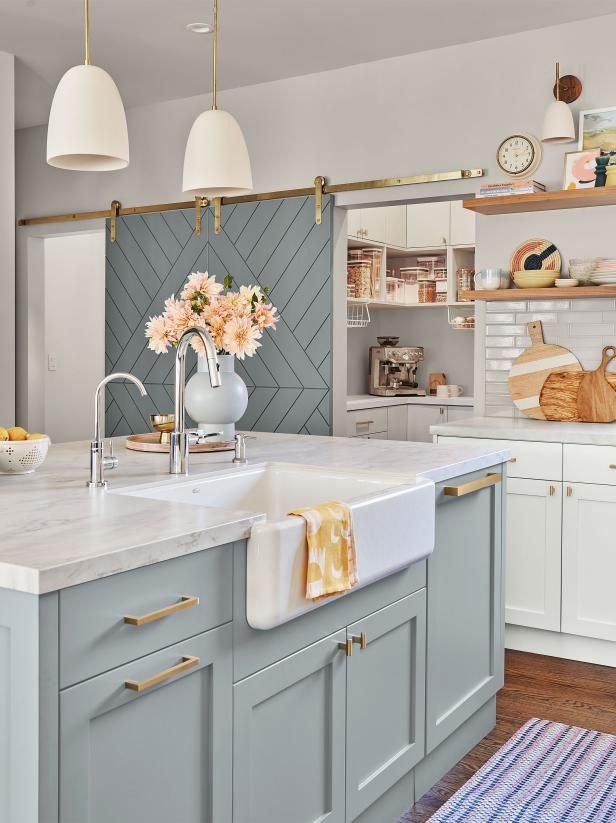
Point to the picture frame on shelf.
(580, 169)
(597, 129)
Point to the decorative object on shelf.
(535, 279)
(236, 320)
(581, 268)
(164, 424)
(566, 282)
(558, 125)
(358, 314)
(581, 169)
(598, 129)
(610, 175)
(491, 279)
(436, 379)
(87, 128)
(536, 254)
(531, 368)
(603, 273)
(582, 397)
(519, 154)
(601, 170)
(151, 443)
(216, 162)
(511, 187)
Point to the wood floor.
(580, 694)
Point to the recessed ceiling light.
(200, 28)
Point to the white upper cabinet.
(462, 231)
(374, 224)
(354, 226)
(427, 225)
(396, 226)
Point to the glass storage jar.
(359, 275)
(464, 282)
(375, 256)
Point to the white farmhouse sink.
(393, 523)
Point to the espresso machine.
(393, 371)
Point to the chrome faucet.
(180, 438)
(99, 461)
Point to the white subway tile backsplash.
(502, 341)
(503, 317)
(498, 365)
(497, 390)
(529, 317)
(515, 305)
(549, 305)
(592, 329)
(609, 317)
(504, 352)
(498, 330)
(497, 376)
(580, 317)
(523, 342)
(592, 304)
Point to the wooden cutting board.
(531, 369)
(560, 395)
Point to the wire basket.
(358, 314)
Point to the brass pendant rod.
(391, 182)
(86, 12)
(215, 57)
(558, 81)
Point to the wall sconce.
(558, 125)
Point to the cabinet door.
(420, 418)
(455, 413)
(462, 225)
(156, 755)
(374, 224)
(533, 553)
(354, 223)
(396, 226)
(589, 561)
(289, 739)
(397, 423)
(465, 657)
(427, 225)
(385, 700)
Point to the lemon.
(17, 433)
(37, 436)
(4, 435)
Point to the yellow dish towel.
(332, 561)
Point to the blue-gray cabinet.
(466, 618)
(132, 752)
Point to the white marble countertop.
(371, 401)
(545, 431)
(55, 532)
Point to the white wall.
(7, 239)
(74, 332)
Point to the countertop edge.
(370, 401)
(538, 431)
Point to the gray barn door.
(273, 243)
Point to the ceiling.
(144, 44)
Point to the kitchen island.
(135, 689)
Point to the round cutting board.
(536, 255)
(531, 369)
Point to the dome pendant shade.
(216, 161)
(558, 125)
(87, 124)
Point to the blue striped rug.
(546, 773)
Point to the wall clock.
(519, 155)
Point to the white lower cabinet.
(420, 418)
(589, 561)
(533, 543)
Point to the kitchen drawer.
(375, 436)
(540, 461)
(590, 464)
(94, 636)
(366, 421)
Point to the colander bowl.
(22, 456)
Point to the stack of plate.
(604, 273)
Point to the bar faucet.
(180, 438)
(99, 461)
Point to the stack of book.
(510, 187)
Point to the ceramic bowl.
(566, 282)
(535, 279)
(22, 456)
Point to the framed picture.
(598, 129)
(580, 169)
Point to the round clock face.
(519, 155)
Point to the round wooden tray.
(151, 443)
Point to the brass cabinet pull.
(512, 460)
(185, 603)
(569, 491)
(347, 647)
(552, 491)
(188, 662)
(612, 465)
(468, 488)
(360, 639)
(364, 422)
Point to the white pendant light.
(216, 162)
(87, 123)
(558, 125)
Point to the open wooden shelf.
(542, 294)
(543, 201)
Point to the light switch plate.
(52, 364)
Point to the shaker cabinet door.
(420, 418)
(589, 561)
(289, 739)
(151, 753)
(427, 225)
(533, 553)
(465, 661)
(385, 700)
(462, 225)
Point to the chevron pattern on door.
(273, 243)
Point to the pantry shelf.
(389, 304)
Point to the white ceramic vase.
(217, 410)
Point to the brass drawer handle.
(612, 465)
(473, 486)
(347, 647)
(185, 603)
(512, 460)
(364, 422)
(360, 639)
(188, 662)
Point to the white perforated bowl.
(22, 456)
